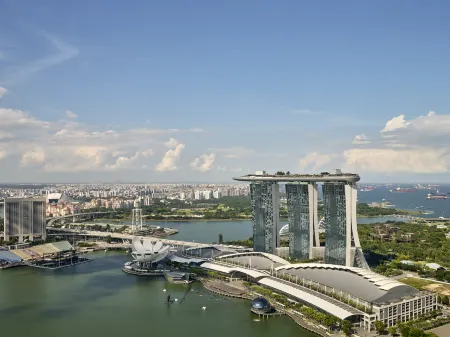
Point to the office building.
(24, 218)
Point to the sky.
(201, 91)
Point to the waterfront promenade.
(236, 289)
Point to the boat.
(366, 189)
(402, 190)
(437, 195)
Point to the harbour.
(80, 299)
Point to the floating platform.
(143, 272)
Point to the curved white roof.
(271, 257)
(228, 270)
(316, 301)
(359, 282)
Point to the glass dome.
(261, 304)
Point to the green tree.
(392, 330)
(108, 239)
(280, 173)
(445, 300)
(347, 327)
(380, 327)
(220, 238)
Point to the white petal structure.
(145, 250)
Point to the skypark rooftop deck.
(317, 178)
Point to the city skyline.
(201, 93)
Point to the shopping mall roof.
(330, 305)
(229, 270)
(255, 260)
(361, 283)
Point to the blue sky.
(105, 90)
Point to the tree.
(445, 300)
(392, 330)
(347, 327)
(380, 327)
(279, 173)
(108, 239)
(220, 238)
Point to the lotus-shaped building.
(146, 251)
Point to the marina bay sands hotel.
(342, 245)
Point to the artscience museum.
(146, 252)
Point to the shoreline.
(302, 323)
(236, 219)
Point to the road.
(121, 236)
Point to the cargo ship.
(402, 190)
(366, 189)
(437, 195)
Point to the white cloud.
(71, 114)
(221, 168)
(395, 123)
(413, 146)
(315, 161)
(420, 160)
(361, 139)
(2, 91)
(17, 119)
(171, 143)
(170, 159)
(238, 169)
(137, 160)
(36, 156)
(204, 163)
(69, 146)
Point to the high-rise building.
(302, 218)
(265, 198)
(342, 246)
(339, 200)
(24, 217)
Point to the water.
(98, 299)
(410, 200)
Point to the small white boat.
(203, 308)
(164, 290)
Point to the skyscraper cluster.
(339, 201)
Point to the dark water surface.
(98, 299)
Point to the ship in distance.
(437, 195)
(402, 190)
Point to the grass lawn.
(420, 284)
